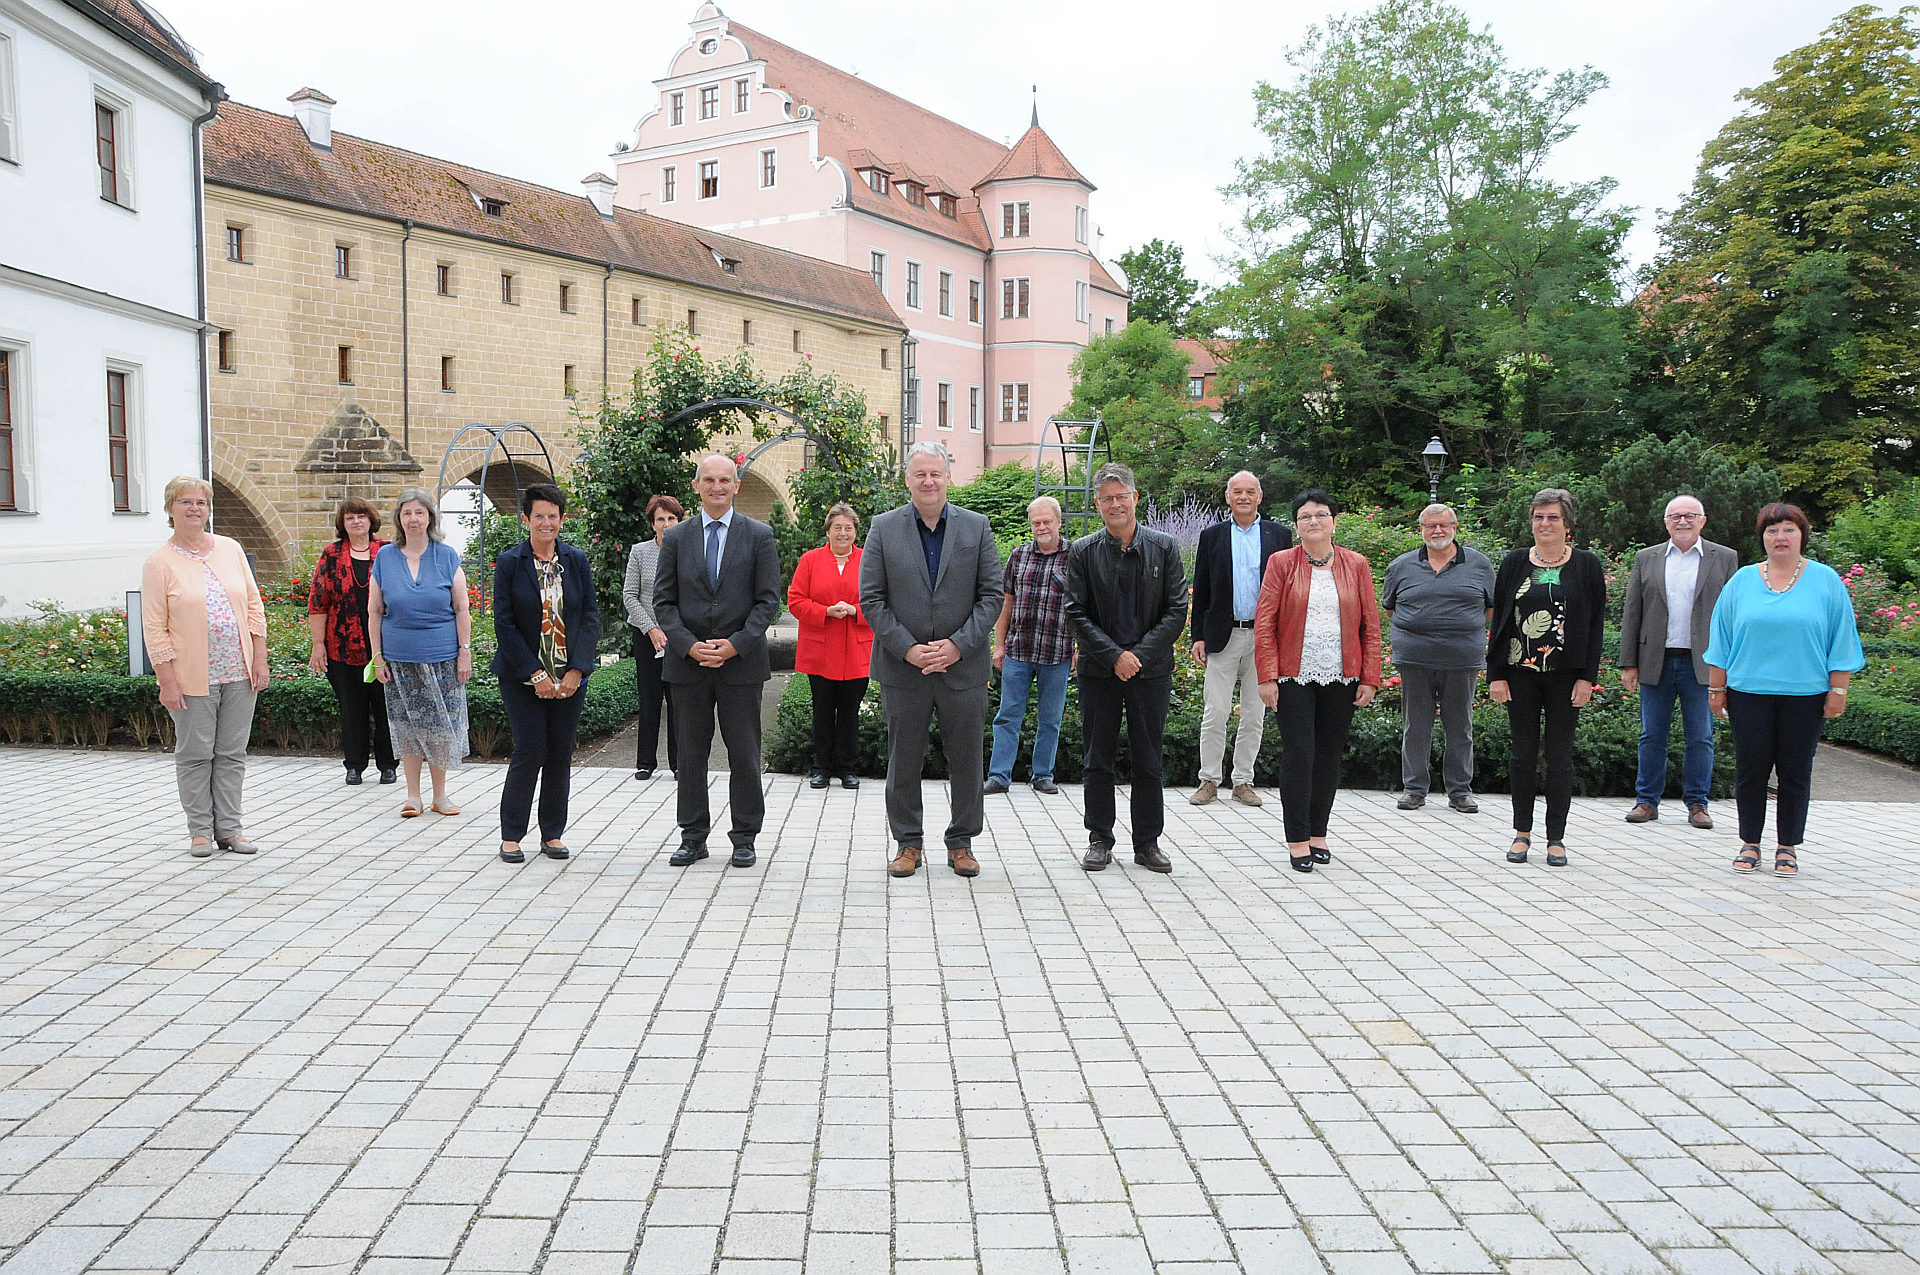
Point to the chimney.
(599, 190)
(314, 110)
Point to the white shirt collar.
(1697, 551)
(725, 519)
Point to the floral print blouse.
(1540, 616)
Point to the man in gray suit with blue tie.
(716, 591)
(930, 589)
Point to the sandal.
(448, 809)
(1785, 862)
(1748, 860)
(1556, 860)
(410, 808)
(1519, 839)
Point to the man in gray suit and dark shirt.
(930, 589)
(1663, 635)
(716, 591)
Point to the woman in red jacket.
(836, 646)
(1316, 644)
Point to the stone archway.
(757, 497)
(242, 510)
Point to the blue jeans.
(1656, 724)
(1017, 679)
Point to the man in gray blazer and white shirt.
(930, 589)
(1663, 635)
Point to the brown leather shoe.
(961, 860)
(1698, 817)
(1245, 795)
(1099, 854)
(1642, 813)
(906, 863)
(1206, 792)
(1154, 859)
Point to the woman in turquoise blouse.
(1784, 647)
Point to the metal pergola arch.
(513, 442)
(819, 444)
(1085, 443)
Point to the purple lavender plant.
(1184, 522)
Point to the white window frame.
(742, 95)
(1082, 224)
(704, 113)
(1016, 297)
(700, 191)
(20, 388)
(1196, 388)
(944, 297)
(913, 285)
(669, 183)
(1109, 330)
(943, 405)
(9, 108)
(1082, 302)
(769, 168)
(976, 292)
(877, 267)
(123, 146)
(973, 409)
(676, 109)
(135, 373)
(1016, 219)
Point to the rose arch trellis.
(818, 444)
(511, 443)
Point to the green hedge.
(1607, 742)
(1876, 722)
(94, 709)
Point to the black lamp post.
(1434, 457)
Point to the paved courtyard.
(376, 1048)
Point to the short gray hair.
(1438, 508)
(1046, 502)
(1113, 472)
(424, 498)
(927, 447)
(1555, 496)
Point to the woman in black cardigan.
(1543, 658)
(547, 624)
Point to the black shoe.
(1411, 801)
(555, 851)
(849, 780)
(1464, 803)
(1320, 854)
(1525, 843)
(1300, 862)
(1099, 854)
(643, 774)
(818, 779)
(1153, 859)
(512, 856)
(743, 856)
(1046, 786)
(1556, 859)
(353, 779)
(686, 855)
(389, 775)
(992, 788)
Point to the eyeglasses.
(1313, 517)
(1685, 517)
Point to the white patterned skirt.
(427, 712)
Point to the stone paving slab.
(376, 1048)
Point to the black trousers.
(1539, 697)
(653, 690)
(1314, 718)
(1778, 735)
(695, 704)
(543, 734)
(836, 723)
(1143, 701)
(361, 701)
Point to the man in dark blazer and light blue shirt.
(930, 588)
(1226, 584)
(716, 590)
(1663, 639)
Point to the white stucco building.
(102, 356)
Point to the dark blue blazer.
(516, 613)
(1213, 578)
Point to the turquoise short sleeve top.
(1784, 643)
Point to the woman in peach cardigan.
(206, 633)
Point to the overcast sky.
(1153, 102)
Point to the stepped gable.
(355, 443)
(251, 149)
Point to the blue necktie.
(713, 555)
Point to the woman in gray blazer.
(649, 639)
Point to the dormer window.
(916, 194)
(877, 180)
(728, 264)
(493, 207)
(947, 205)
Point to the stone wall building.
(370, 302)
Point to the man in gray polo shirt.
(1439, 600)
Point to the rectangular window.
(1109, 327)
(236, 243)
(342, 261)
(693, 323)
(1014, 294)
(709, 178)
(768, 169)
(1080, 225)
(916, 195)
(877, 180)
(9, 490)
(506, 288)
(1081, 310)
(913, 285)
(885, 358)
(1013, 221)
(1006, 400)
(446, 374)
(740, 97)
(443, 280)
(667, 184)
(973, 408)
(1013, 400)
(566, 380)
(106, 131)
(346, 365)
(493, 207)
(975, 289)
(639, 312)
(6, 105)
(710, 101)
(746, 331)
(566, 298)
(1196, 387)
(942, 405)
(946, 294)
(225, 346)
(877, 266)
(117, 441)
(677, 108)
(796, 340)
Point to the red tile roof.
(1203, 360)
(256, 150)
(1034, 155)
(148, 29)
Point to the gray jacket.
(904, 608)
(1643, 623)
(637, 594)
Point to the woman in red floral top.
(337, 614)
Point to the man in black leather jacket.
(1127, 604)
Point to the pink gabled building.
(985, 251)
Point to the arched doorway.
(233, 516)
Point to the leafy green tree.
(1785, 297)
(1136, 382)
(1002, 494)
(1883, 532)
(1162, 291)
(854, 465)
(1621, 507)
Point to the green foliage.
(1623, 505)
(856, 465)
(1136, 382)
(1881, 723)
(1785, 297)
(1162, 292)
(1883, 532)
(1002, 494)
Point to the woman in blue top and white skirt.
(420, 632)
(1783, 648)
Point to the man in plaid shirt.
(1031, 645)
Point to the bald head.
(715, 479)
(1686, 519)
(1243, 497)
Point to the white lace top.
(1320, 652)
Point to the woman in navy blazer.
(546, 622)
